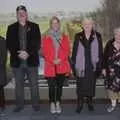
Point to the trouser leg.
(52, 90)
(2, 97)
(59, 86)
(19, 74)
(32, 73)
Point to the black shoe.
(91, 107)
(89, 101)
(18, 109)
(37, 108)
(80, 103)
(79, 109)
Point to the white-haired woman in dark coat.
(112, 69)
(87, 60)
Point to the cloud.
(50, 5)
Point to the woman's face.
(55, 25)
(88, 25)
(117, 37)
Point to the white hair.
(117, 30)
(87, 20)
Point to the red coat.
(49, 56)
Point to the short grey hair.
(116, 30)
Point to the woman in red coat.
(56, 49)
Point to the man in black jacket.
(2, 72)
(23, 42)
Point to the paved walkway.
(68, 113)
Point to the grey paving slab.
(68, 113)
(89, 118)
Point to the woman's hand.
(57, 61)
(104, 72)
(111, 70)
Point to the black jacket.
(108, 52)
(33, 44)
(3, 56)
(81, 35)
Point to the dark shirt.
(23, 40)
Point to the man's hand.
(23, 55)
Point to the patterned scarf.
(56, 36)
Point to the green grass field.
(44, 26)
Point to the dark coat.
(111, 61)
(108, 52)
(75, 49)
(3, 55)
(33, 44)
(86, 84)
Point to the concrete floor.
(68, 113)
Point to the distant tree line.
(107, 17)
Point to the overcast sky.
(7, 6)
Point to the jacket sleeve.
(106, 55)
(35, 47)
(3, 51)
(74, 49)
(45, 53)
(9, 39)
(74, 53)
(100, 63)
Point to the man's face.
(22, 16)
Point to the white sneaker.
(111, 109)
(52, 108)
(58, 108)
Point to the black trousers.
(55, 87)
(2, 97)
